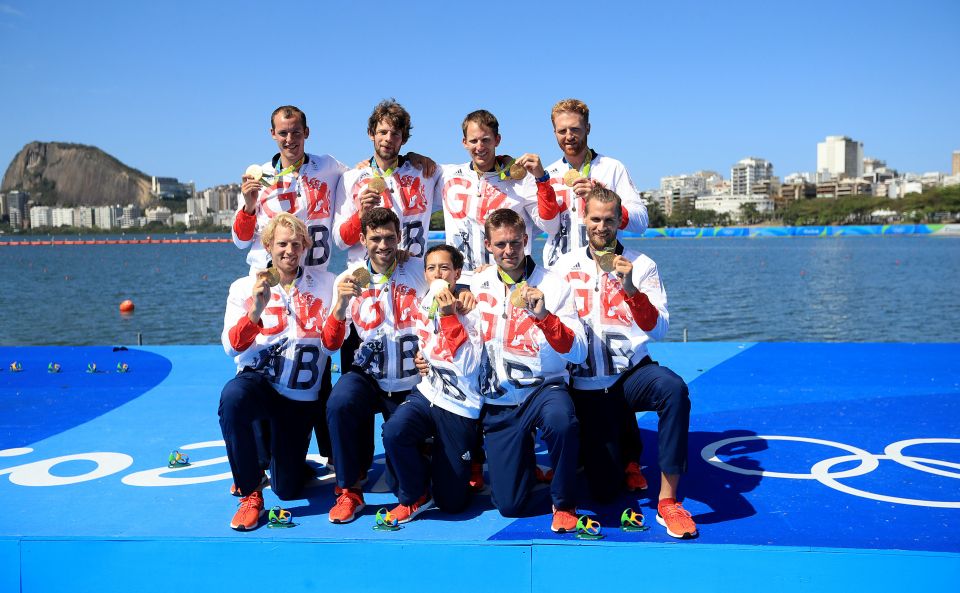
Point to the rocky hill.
(58, 173)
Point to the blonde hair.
(573, 106)
(289, 221)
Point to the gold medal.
(605, 260)
(255, 171)
(570, 177)
(516, 297)
(377, 184)
(272, 275)
(361, 276)
(437, 286)
(517, 171)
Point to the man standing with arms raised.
(531, 331)
(471, 191)
(623, 305)
(575, 173)
(380, 299)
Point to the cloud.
(7, 9)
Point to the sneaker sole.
(424, 507)
(352, 517)
(672, 534)
(245, 528)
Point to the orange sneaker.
(564, 520)
(349, 503)
(406, 513)
(676, 519)
(635, 480)
(541, 476)
(248, 515)
(476, 476)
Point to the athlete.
(583, 168)
(277, 328)
(531, 332)
(390, 180)
(471, 191)
(380, 299)
(445, 405)
(292, 181)
(623, 305)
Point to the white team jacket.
(385, 316)
(454, 380)
(467, 201)
(409, 194)
(616, 342)
(309, 195)
(288, 349)
(571, 234)
(519, 358)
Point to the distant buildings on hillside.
(842, 171)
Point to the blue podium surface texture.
(812, 467)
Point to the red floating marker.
(126, 306)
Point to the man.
(622, 303)
(583, 168)
(272, 328)
(531, 333)
(471, 191)
(445, 405)
(379, 299)
(390, 180)
(292, 181)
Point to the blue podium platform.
(813, 467)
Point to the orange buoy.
(126, 306)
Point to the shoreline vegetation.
(936, 207)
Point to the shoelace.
(253, 501)
(677, 511)
(346, 499)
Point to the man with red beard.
(623, 305)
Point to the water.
(848, 289)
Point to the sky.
(185, 89)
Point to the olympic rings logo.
(820, 471)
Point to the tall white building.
(41, 216)
(746, 173)
(63, 217)
(839, 157)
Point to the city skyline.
(672, 89)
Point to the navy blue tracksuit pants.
(351, 411)
(646, 387)
(448, 468)
(250, 398)
(507, 433)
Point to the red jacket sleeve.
(644, 312)
(333, 332)
(547, 204)
(350, 230)
(559, 336)
(453, 331)
(244, 333)
(244, 224)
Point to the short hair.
(288, 111)
(601, 194)
(291, 222)
(455, 256)
(379, 217)
(481, 117)
(501, 218)
(572, 105)
(394, 113)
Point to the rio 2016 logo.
(868, 462)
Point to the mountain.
(58, 173)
